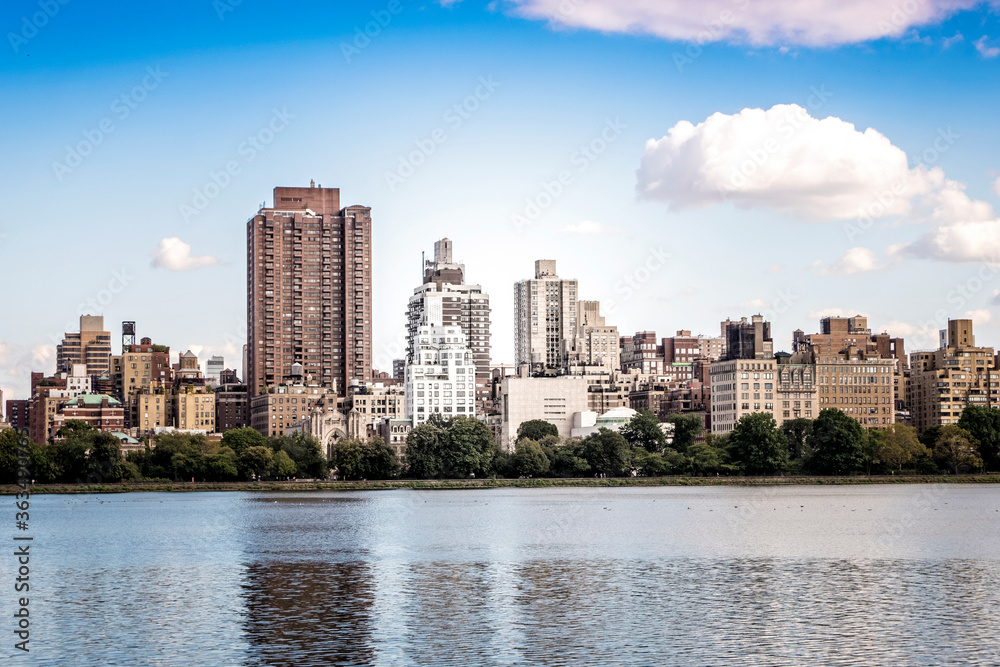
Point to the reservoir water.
(810, 575)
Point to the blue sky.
(199, 78)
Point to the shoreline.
(455, 484)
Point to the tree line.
(463, 447)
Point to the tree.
(758, 446)
(702, 458)
(423, 451)
(643, 430)
(306, 452)
(900, 446)
(222, 466)
(836, 443)
(536, 429)
(568, 461)
(797, 431)
(608, 452)
(871, 449)
(380, 460)
(283, 466)
(255, 461)
(687, 428)
(529, 459)
(349, 458)
(983, 424)
(105, 462)
(241, 439)
(651, 464)
(469, 448)
(957, 449)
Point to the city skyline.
(191, 155)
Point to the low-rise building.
(552, 399)
(103, 412)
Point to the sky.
(686, 162)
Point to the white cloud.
(961, 242)
(855, 260)
(985, 50)
(753, 303)
(996, 186)
(174, 255)
(586, 227)
(785, 160)
(980, 316)
(918, 337)
(757, 22)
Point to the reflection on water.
(855, 576)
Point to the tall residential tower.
(444, 299)
(309, 290)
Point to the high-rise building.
(946, 381)
(309, 290)
(748, 340)
(642, 353)
(214, 368)
(596, 343)
(90, 346)
(545, 317)
(441, 375)
(444, 299)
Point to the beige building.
(741, 387)
(944, 382)
(553, 399)
(371, 404)
(194, 410)
(152, 411)
(283, 405)
(90, 346)
(545, 317)
(859, 384)
(596, 343)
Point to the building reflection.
(309, 613)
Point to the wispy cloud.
(985, 50)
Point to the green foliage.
(871, 450)
(104, 461)
(758, 446)
(608, 452)
(8, 456)
(956, 449)
(836, 442)
(900, 446)
(703, 459)
(254, 462)
(241, 439)
(983, 424)
(797, 432)
(283, 467)
(536, 429)
(687, 428)
(305, 451)
(469, 448)
(643, 430)
(529, 459)
(374, 459)
(423, 451)
(651, 464)
(568, 461)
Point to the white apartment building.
(545, 317)
(441, 375)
